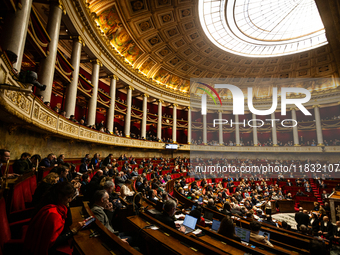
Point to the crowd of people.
(63, 183)
(269, 142)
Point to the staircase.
(316, 191)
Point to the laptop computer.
(242, 233)
(215, 225)
(189, 223)
(208, 215)
(193, 207)
(200, 199)
(265, 234)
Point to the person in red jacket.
(49, 230)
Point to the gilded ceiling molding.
(118, 62)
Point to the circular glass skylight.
(262, 28)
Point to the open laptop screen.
(193, 207)
(215, 225)
(189, 221)
(242, 233)
(200, 199)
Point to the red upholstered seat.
(33, 183)
(18, 200)
(7, 244)
(26, 189)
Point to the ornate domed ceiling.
(266, 28)
(165, 41)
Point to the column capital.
(175, 105)
(160, 101)
(316, 106)
(78, 38)
(61, 6)
(145, 95)
(96, 61)
(130, 87)
(188, 107)
(220, 111)
(113, 76)
(293, 108)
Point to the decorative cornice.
(62, 7)
(78, 38)
(114, 57)
(96, 61)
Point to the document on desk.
(179, 216)
(197, 231)
(154, 228)
(180, 222)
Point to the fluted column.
(237, 131)
(159, 121)
(46, 73)
(128, 111)
(295, 129)
(204, 129)
(255, 141)
(145, 114)
(96, 64)
(318, 125)
(174, 123)
(274, 134)
(111, 112)
(71, 92)
(189, 125)
(14, 36)
(220, 128)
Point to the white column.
(274, 134)
(220, 128)
(174, 123)
(189, 125)
(111, 113)
(318, 125)
(237, 131)
(295, 129)
(255, 141)
(96, 64)
(204, 129)
(14, 36)
(128, 111)
(145, 115)
(159, 121)
(71, 92)
(46, 73)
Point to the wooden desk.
(286, 206)
(89, 246)
(159, 242)
(307, 205)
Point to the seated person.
(22, 165)
(103, 210)
(197, 213)
(227, 229)
(125, 190)
(49, 228)
(167, 215)
(255, 227)
(211, 205)
(44, 186)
